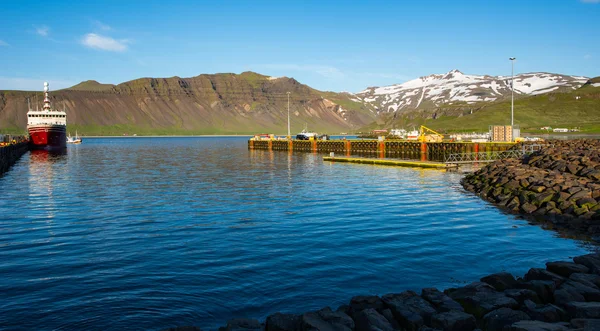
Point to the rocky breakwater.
(9, 154)
(559, 184)
(562, 296)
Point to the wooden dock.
(388, 162)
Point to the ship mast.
(46, 100)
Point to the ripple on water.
(150, 233)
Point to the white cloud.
(325, 71)
(3, 43)
(32, 84)
(102, 26)
(42, 30)
(97, 41)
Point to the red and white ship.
(47, 127)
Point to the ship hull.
(48, 137)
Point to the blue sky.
(329, 45)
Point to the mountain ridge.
(431, 91)
(204, 104)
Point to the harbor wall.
(9, 154)
(565, 295)
(424, 151)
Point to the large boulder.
(327, 320)
(500, 281)
(543, 288)
(538, 326)
(409, 309)
(242, 324)
(547, 313)
(586, 323)
(183, 328)
(454, 320)
(575, 291)
(370, 319)
(498, 319)
(592, 261)
(480, 298)
(543, 274)
(590, 280)
(565, 269)
(362, 302)
(522, 294)
(440, 301)
(583, 309)
(283, 322)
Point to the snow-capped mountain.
(453, 87)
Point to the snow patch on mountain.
(455, 86)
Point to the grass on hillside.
(531, 113)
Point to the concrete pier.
(399, 149)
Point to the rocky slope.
(455, 87)
(205, 104)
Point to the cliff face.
(206, 104)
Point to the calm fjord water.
(148, 233)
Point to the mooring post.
(423, 151)
(381, 149)
(270, 145)
(251, 144)
(314, 146)
(290, 145)
(348, 147)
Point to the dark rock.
(283, 322)
(370, 320)
(183, 328)
(480, 298)
(242, 324)
(547, 313)
(538, 326)
(566, 294)
(497, 319)
(543, 274)
(590, 280)
(591, 293)
(592, 261)
(565, 269)
(454, 321)
(363, 302)
(586, 323)
(389, 316)
(522, 294)
(344, 309)
(543, 288)
(500, 281)
(440, 301)
(327, 320)
(409, 309)
(528, 208)
(583, 309)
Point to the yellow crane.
(430, 137)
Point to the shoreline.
(563, 296)
(559, 184)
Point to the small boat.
(306, 135)
(74, 140)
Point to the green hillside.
(578, 108)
